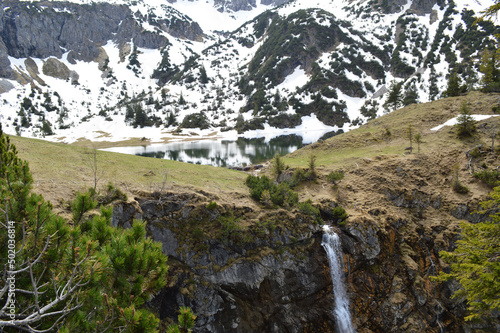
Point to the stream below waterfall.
(331, 244)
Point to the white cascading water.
(331, 244)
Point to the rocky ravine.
(273, 276)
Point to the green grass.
(60, 169)
(370, 140)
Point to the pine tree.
(129, 113)
(140, 117)
(369, 109)
(15, 179)
(395, 96)
(311, 173)
(433, 88)
(87, 278)
(25, 121)
(186, 320)
(133, 61)
(203, 75)
(411, 95)
(277, 166)
(466, 125)
(418, 140)
(171, 120)
(46, 128)
(182, 101)
(491, 75)
(454, 87)
(491, 12)
(409, 135)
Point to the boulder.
(55, 68)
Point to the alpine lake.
(227, 153)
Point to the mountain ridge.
(285, 64)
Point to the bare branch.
(65, 293)
(25, 269)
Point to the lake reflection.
(222, 153)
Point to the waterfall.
(331, 243)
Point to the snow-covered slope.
(165, 69)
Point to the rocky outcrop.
(274, 2)
(5, 70)
(49, 29)
(234, 5)
(419, 7)
(55, 68)
(5, 86)
(422, 7)
(274, 278)
(237, 5)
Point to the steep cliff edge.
(240, 269)
(273, 275)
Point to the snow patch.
(454, 121)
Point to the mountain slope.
(402, 213)
(151, 68)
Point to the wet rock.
(280, 282)
(268, 285)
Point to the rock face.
(49, 29)
(5, 86)
(234, 5)
(278, 282)
(237, 5)
(276, 279)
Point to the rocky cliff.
(51, 29)
(269, 273)
(270, 276)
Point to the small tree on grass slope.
(466, 125)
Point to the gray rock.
(55, 68)
(49, 29)
(74, 77)
(166, 237)
(274, 2)
(422, 7)
(5, 70)
(31, 66)
(234, 5)
(366, 234)
(5, 86)
(231, 289)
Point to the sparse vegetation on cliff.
(475, 265)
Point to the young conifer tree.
(70, 276)
(475, 265)
(466, 125)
